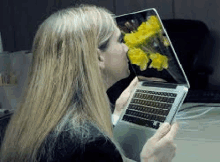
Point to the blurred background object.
(1, 46)
(16, 65)
(8, 71)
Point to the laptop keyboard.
(149, 108)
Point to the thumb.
(162, 131)
(173, 130)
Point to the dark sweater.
(92, 147)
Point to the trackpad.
(132, 139)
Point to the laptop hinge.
(159, 84)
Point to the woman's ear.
(101, 59)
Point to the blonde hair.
(65, 86)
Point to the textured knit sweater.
(92, 147)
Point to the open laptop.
(153, 102)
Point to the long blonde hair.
(64, 82)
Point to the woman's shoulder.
(84, 144)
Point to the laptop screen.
(151, 54)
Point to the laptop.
(159, 93)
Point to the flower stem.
(149, 48)
(146, 49)
(129, 26)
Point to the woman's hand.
(123, 98)
(160, 147)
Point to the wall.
(22, 18)
(206, 11)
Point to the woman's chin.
(127, 73)
(123, 75)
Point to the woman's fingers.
(173, 130)
(171, 134)
(128, 91)
(123, 98)
(162, 131)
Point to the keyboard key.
(150, 117)
(157, 126)
(161, 119)
(167, 106)
(171, 100)
(158, 111)
(153, 117)
(132, 106)
(173, 94)
(165, 112)
(138, 121)
(157, 105)
(142, 115)
(146, 116)
(165, 99)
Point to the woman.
(65, 114)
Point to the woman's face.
(115, 59)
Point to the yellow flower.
(134, 39)
(140, 38)
(158, 61)
(146, 30)
(155, 23)
(137, 40)
(131, 40)
(138, 57)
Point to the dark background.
(191, 24)
(20, 19)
